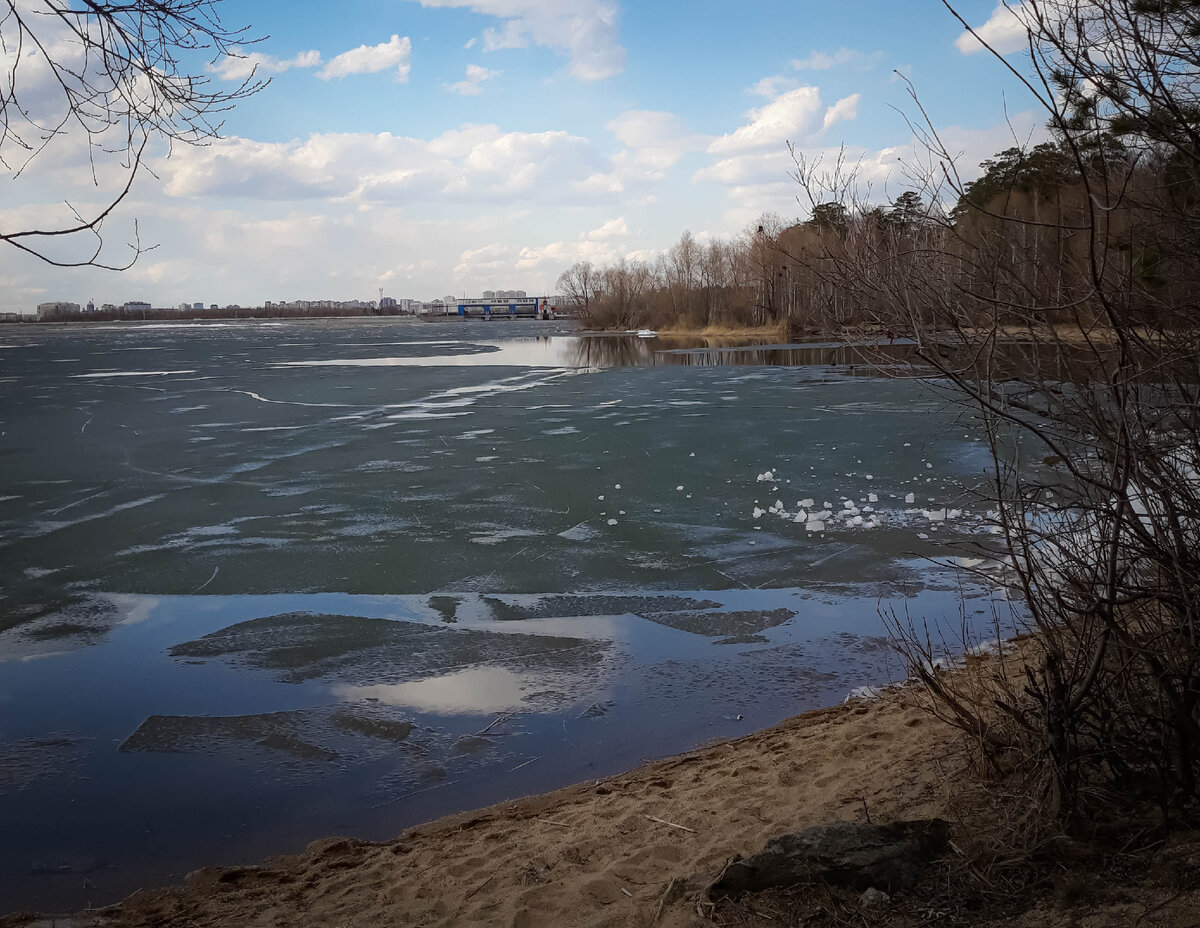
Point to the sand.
(596, 854)
(605, 853)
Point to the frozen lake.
(266, 582)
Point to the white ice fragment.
(872, 497)
(806, 504)
(801, 516)
(929, 467)
(908, 444)
(616, 486)
(814, 527)
(601, 496)
(863, 692)
(612, 521)
(922, 535)
(954, 514)
(759, 513)
(934, 515)
(827, 504)
(848, 504)
(778, 504)
(910, 498)
(857, 520)
(870, 476)
(692, 455)
(679, 489)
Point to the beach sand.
(594, 854)
(604, 853)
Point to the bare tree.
(579, 283)
(112, 79)
(1058, 297)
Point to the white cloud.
(771, 87)
(469, 86)
(614, 228)
(513, 35)
(371, 59)
(1005, 31)
(761, 181)
(470, 43)
(825, 61)
(846, 109)
(756, 155)
(586, 30)
(773, 125)
(239, 64)
(654, 141)
(600, 246)
(471, 164)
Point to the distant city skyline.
(352, 303)
(431, 145)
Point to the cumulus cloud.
(771, 87)
(600, 246)
(654, 141)
(614, 228)
(846, 109)
(585, 30)
(792, 114)
(239, 64)
(1005, 31)
(469, 86)
(471, 164)
(760, 181)
(371, 59)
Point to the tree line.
(1021, 226)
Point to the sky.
(438, 147)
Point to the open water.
(265, 582)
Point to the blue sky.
(432, 147)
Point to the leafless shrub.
(1058, 296)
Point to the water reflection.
(607, 351)
(475, 691)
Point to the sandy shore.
(633, 850)
(596, 854)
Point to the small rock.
(874, 898)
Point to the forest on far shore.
(1025, 232)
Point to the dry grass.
(777, 331)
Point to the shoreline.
(597, 853)
(638, 849)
